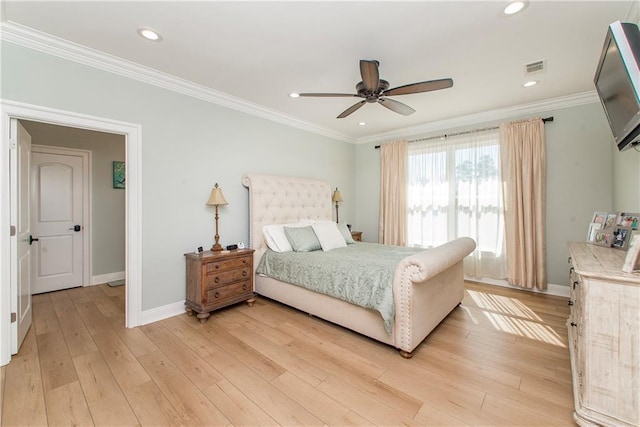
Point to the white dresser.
(604, 337)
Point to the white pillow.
(329, 235)
(276, 239)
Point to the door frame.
(133, 227)
(87, 196)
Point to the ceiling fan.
(373, 89)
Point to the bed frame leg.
(406, 354)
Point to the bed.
(426, 286)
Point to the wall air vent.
(535, 67)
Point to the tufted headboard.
(277, 199)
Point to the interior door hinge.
(14, 317)
(12, 230)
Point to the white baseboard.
(557, 290)
(104, 278)
(162, 312)
(176, 308)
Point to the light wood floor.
(499, 359)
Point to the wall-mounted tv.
(617, 82)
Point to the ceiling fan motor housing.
(363, 92)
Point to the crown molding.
(486, 116)
(55, 46)
(46, 43)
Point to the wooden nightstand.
(357, 236)
(218, 279)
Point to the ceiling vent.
(535, 67)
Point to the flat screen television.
(617, 82)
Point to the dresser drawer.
(231, 291)
(215, 280)
(228, 264)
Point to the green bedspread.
(361, 274)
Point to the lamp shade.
(337, 197)
(216, 198)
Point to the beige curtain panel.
(393, 193)
(523, 161)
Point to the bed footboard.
(426, 288)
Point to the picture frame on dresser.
(621, 237)
(599, 218)
(631, 220)
(603, 237)
(632, 260)
(593, 229)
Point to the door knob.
(76, 228)
(31, 239)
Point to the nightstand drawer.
(215, 280)
(228, 264)
(233, 290)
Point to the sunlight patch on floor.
(514, 317)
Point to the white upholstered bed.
(426, 286)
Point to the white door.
(20, 216)
(56, 202)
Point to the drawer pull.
(217, 280)
(244, 287)
(574, 324)
(216, 295)
(217, 266)
(244, 261)
(244, 274)
(575, 284)
(569, 303)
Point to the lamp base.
(217, 247)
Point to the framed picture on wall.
(118, 174)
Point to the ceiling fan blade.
(419, 87)
(396, 106)
(370, 74)
(328, 95)
(351, 109)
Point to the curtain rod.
(545, 120)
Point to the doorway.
(133, 228)
(61, 211)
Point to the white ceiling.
(261, 51)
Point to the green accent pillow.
(302, 239)
(346, 233)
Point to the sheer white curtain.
(454, 190)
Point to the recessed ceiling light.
(514, 7)
(362, 123)
(530, 83)
(294, 95)
(149, 34)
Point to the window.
(454, 191)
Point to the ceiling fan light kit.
(373, 89)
